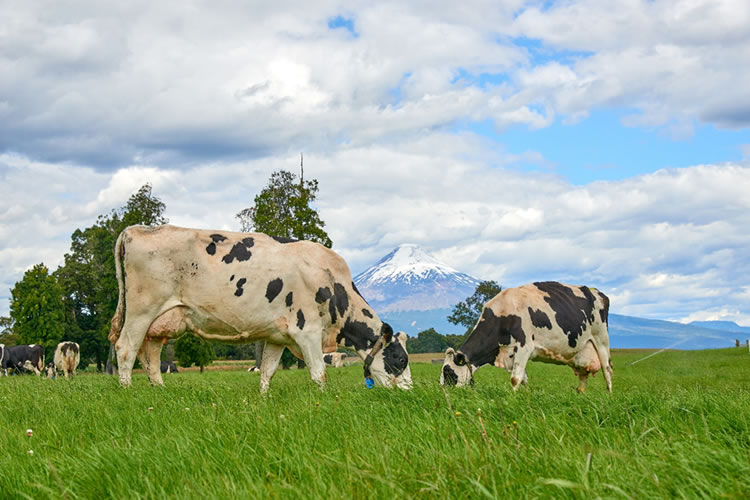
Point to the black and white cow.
(67, 357)
(168, 367)
(548, 322)
(335, 359)
(20, 358)
(244, 287)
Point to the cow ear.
(401, 337)
(449, 352)
(460, 359)
(387, 332)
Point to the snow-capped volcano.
(410, 279)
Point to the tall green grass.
(677, 425)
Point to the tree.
(467, 312)
(7, 334)
(36, 308)
(426, 341)
(88, 276)
(283, 209)
(191, 349)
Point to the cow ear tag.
(369, 383)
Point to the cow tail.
(116, 326)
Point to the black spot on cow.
(449, 376)
(395, 358)
(215, 238)
(367, 313)
(240, 283)
(288, 300)
(274, 289)
(539, 319)
(604, 311)
(322, 295)
(483, 344)
(281, 239)
(239, 251)
(357, 335)
(340, 301)
(328, 359)
(572, 313)
(300, 319)
(231, 278)
(69, 346)
(515, 348)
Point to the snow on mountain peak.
(407, 262)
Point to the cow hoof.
(580, 390)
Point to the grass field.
(677, 425)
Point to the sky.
(589, 142)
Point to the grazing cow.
(254, 369)
(168, 367)
(244, 287)
(23, 357)
(335, 359)
(548, 322)
(67, 357)
(50, 370)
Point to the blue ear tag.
(369, 383)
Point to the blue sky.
(602, 143)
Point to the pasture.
(677, 425)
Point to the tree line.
(77, 300)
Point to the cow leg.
(313, 355)
(269, 364)
(150, 356)
(129, 343)
(583, 379)
(518, 374)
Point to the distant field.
(677, 425)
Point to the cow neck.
(371, 356)
(479, 348)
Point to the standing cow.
(22, 358)
(548, 322)
(168, 367)
(244, 287)
(67, 357)
(336, 359)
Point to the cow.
(22, 358)
(168, 367)
(544, 321)
(50, 370)
(335, 359)
(253, 369)
(244, 287)
(67, 357)
(2, 357)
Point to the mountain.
(410, 279)
(413, 291)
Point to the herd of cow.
(20, 359)
(245, 287)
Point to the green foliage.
(7, 334)
(283, 209)
(288, 359)
(467, 312)
(233, 351)
(676, 426)
(426, 341)
(193, 350)
(36, 308)
(88, 275)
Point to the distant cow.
(22, 358)
(2, 357)
(244, 287)
(335, 359)
(548, 322)
(50, 370)
(168, 367)
(254, 369)
(67, 357)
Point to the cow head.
(388, 362)
(456, 369)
